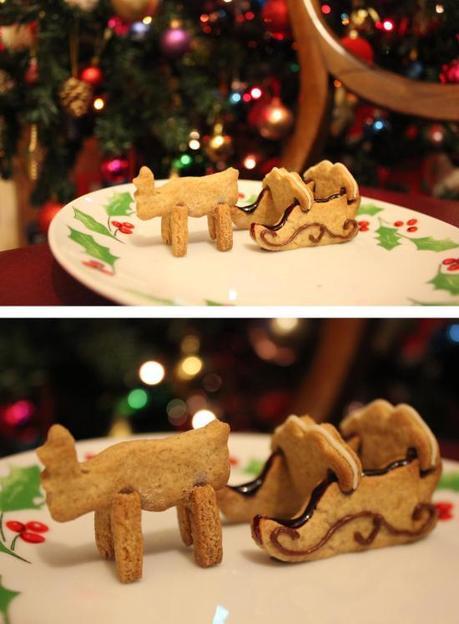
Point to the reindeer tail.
(145, 187)
(58, 453)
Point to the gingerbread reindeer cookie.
(329, 219)
(212, 196)
(183, 470)
(387, 505)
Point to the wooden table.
(31, 277)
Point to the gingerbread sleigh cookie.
(183, 471)
(280, 189)
(288, 473)
(212, 196)
(329, 218)
(388, 504)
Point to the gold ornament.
(275, 120)
(133, 10)
(220, 146)
(17, 37)
(75, 96)
(6, 82)
(364, 19)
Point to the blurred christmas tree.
(196, 86)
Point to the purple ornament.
(175, 42)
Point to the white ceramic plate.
(67, 581)
(396, 260)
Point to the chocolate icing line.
(379, 522)
(323, 229)
(249, 208)
(251, 487)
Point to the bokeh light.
(284, 325)
(189, 367)
(151, 372)
(202, 418)
(177, 412)
(137, 398)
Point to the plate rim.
(121, 297)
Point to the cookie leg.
(103, 532)
(179, 230)
(166, 229)
(184, 522)
(224, 227)
(206, 527)
(212, 226)
(126, 524)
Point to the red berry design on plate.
(444, 510)
(99, 266)
(15, 526)
(363, 226)
(398, 223)
(30, 532)
(117, 224)
(37, 527)
(412, 222)
(124, 226)
(413, 228)
(233, 460)
(450, 261)
(32, 538)
(453, 267)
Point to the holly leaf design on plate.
(250, 199)
(449, 481)
(446, 281)
(434, 244)
(92, 247)
(20, 489)
(91, 223)
(119, 204)
(6, 597)
(254, 467)
(369, 209)
(388, 237)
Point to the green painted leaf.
(434, 244)
(446, 281)
(449, 481)
(434, 303)
(369, 209)
(210, 302)
(91, 223)
(20, 489)
(92, 247)
(8, 551)
(6, 597)
(250, 199)
(254, 467)
(388, 237)
(119, 204)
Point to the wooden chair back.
(321, 54)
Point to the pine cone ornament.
(75, 96)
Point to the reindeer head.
(58, 455)
(150, 200)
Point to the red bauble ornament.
(115, 170)
(274, 120)
(450, 72)
(47, 213)
(31, 73)
(359, 47)
(276, 18)
(92, 75)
